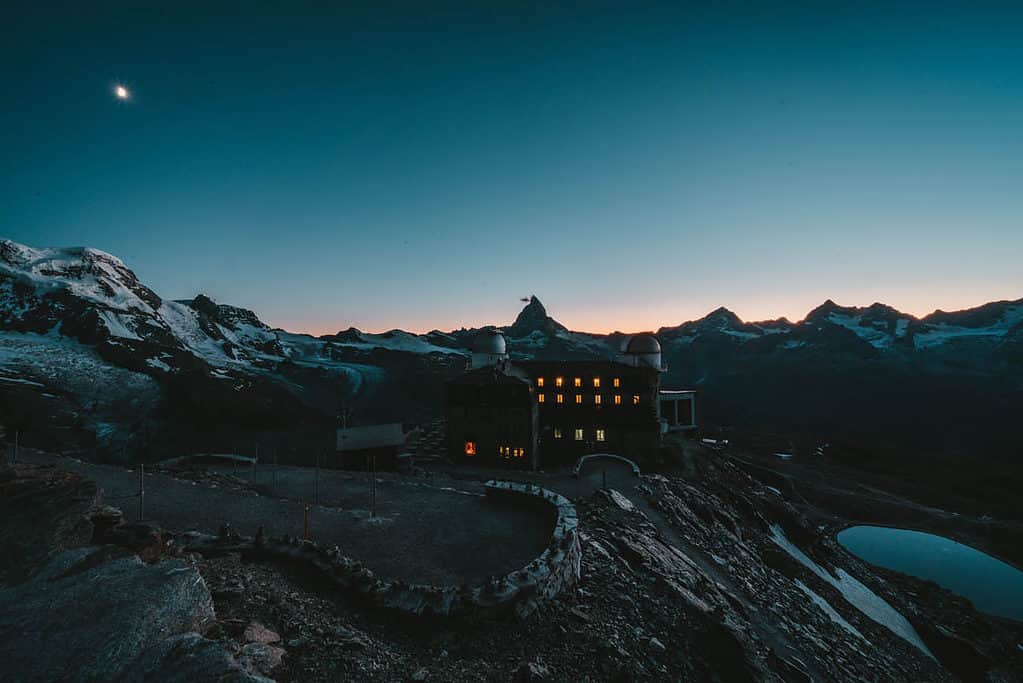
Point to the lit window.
(617, 382)
(557, 432)
(578, 398)
(539, 398)
(635, 399)
(519, 452)
(561, 398)
(600, 435)
(559, 381)
(578, 435)
(578, 381)
(539, 381)
(470, 448)
(596, 382)
(596, 399)
(618, 399)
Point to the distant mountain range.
(86, 346)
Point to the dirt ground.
(433, 530)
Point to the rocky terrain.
(699, 573)
(722, 567)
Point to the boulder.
(186, 658)
(94, 611)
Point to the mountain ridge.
(206, 348)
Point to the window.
(596, 399)
(539, 398)
(617, 382)
(561, 398)
(559, 381)
(502, 451)
(470, 448)
(596, 382)
(635, 399)
(618, 399)
(519, 452)
(600, 435)
(578, 381)
(578, 398)
(557, 432)
(539, 381)
(578, 435)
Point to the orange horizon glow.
(595, 321)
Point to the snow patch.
(830, 611)
(938, 334)
(855, 593)
(117, 325)
(398, 340)
(18, 380)
(878, 338)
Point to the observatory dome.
(643, 350)
(643, 343)
(489, 341)
(488, 348)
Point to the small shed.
(357, 447)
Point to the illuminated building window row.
(509, 452)
(577, 382)
(598, 399)
(579, 434)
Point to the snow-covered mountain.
(83, 341)
(84, 308)
(878, 325)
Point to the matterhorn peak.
(532, 318)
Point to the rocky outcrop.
(100, 612)
(72, 609)
(44, 511)
(188, 658)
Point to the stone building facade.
(528, 414)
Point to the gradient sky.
(425, 164)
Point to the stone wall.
(519, 593)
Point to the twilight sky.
(425, 164)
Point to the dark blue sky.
(425, 164)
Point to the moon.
(121, 92)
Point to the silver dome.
(491, 342)
(643, 343)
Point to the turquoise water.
(990, 584)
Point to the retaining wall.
(519, 593)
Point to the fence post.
(142, 492)
(374, 471)
(306, 533)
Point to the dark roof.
(594, 365)
(370, 436)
